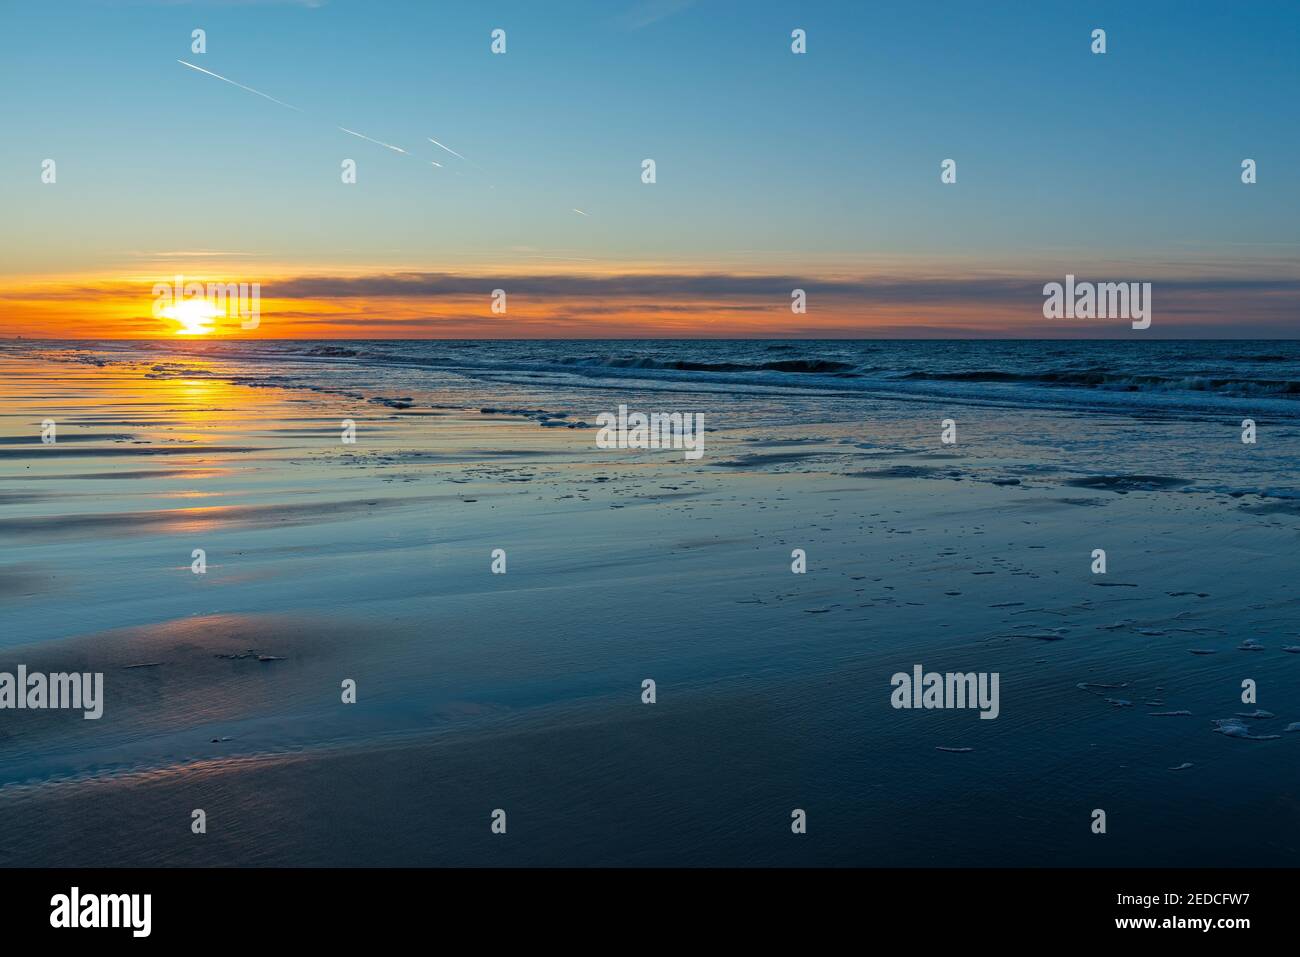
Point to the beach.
(328, 561)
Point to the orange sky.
(114, 306)
(566, 302)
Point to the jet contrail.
(432, 163)
(447, 148)
(396, 149)
(578, 211)
(265, 96)
(240, 85)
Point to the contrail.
(447, 148)
(396, 149)
(578, 211)
(240, 85)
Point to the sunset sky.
(774, 170)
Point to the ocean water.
(1168, 405)
(1205, 377)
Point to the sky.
(774, 170)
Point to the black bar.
(211, 907)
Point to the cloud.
(917, 291)
(672, 304)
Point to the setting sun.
(194, 315)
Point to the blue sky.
(767, 161)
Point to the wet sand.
(522, 691)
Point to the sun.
(194, 315)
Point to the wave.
(332, 352)
(1166, 378)
(1124, 382)
(806, 366)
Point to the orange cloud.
(625, 304)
